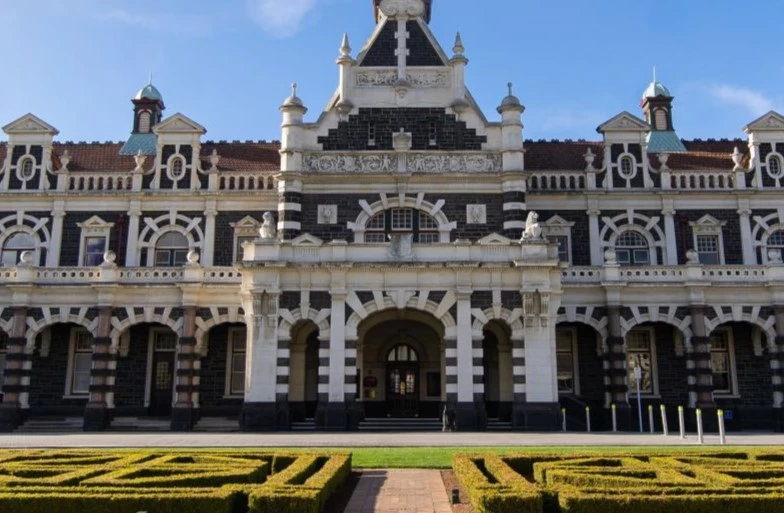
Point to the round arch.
(445, 227)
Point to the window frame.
(779, 160)
(572, 331)
(145, 114)
(632, 391)
(627, 157)
(21, 167)
(775, 230)
(708, 226)
(152, 348)
(730, 351)
(632, 260)
(171, 167)
(172, 251)
(557, 226)
(234, 333)
(95, 227)
(18, 251)
(413, 220)
(246, 228)
(73, 352)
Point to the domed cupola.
(148, 110)
(656, 104)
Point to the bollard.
(455, 496)
(700, 436)
(614, 420)
(722, 431)
(563, 419)
(588, 418)
(650, 419)
(681, 422)
(665, 426)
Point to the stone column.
(260, 410)
(465, 409)
(208, 248)
(593, 232)
(616, 372)
(671, 251)
(183, 414)
(777, 371)
(514, 208)
(746, 239)
(703, 374)
(55, 241)
(334, 412)
(289, 208)
(17, 374)
(97, 415)
(518, 380)
(134, 213)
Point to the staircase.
(396, 424)
(307, 425)
(217, 425)
(52, 425)
(498, 425)
(140, 424)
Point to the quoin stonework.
(402, 257)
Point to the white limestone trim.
(512, 318)
(767, 325)
(438, 310)
(514, 225)
(203, 327)
(23, 223)
(148, 316)
(571, 315)
(653, 315)
(648, 227)
(64, 317)
(445, 227)
(289, 318)
(764, 228)
(155, 228)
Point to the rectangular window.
(237, 339)
(641, 257)
(721, 361)
(563, 246)
(402, 219)
(623, 256)
(427, 222)
(375, 238)
(162, 257)
(428, 238)
(432, 135)
(239, 252)
(639, 353)
(94, 248)
(180, 256)
(564, 345)
(708, 249)
(81, 363)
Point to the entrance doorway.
(163, 366)
(403, 382)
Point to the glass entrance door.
(403, 390)
(161, 393)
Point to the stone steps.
(397, 424)
(217, 425)
(140, 424)
(52, 425)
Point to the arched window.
(27, 168)
(171, 250)
(774, 167)
(626, 167)
(631, 248)
(661, 119)
(144, 122)
(402, 353)
(14, 246)
(402, 220)
(776, 241)
(177, 168)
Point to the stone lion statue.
(532, 229)
(268, 230)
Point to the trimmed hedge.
(168, 481)
(740, 482)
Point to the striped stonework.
(323, 370)
(290, 210)
(450, 354)
(514, 213)
(478, 370)
(518, 369)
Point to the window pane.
(180, 256)
(428, 238)
(426, 222)
(375, 238)
(10, 258)
(162, 257)
(80, 383)
(94, 248)
(237, 374)
(165, 342)
(631, 239)
(563, 247)
(623, 256)
(23, 241)
(776, 239)
(172, 240)
(402, 219)
(376, 222)
(641, 257)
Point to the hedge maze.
(99, 481)
(737, 482)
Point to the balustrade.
(557, 181)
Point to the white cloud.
(280, 18)
(754, 102)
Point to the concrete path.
(77, 440)
(399, 491)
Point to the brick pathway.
(399, 491)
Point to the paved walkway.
(367, 439)
(399, 491)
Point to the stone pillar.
(777, 371)
(55, 241)
(703, 374)
(17, 374)
(134, 213)
(746, 239)
(97, 415)
(465, 408)
(289, 208)
(260, 412)
(594, 235)
(616, 372)
(514, 208)
(334, 412)
(208, 248)
(518, 380)
(671, 251)
(183, 417)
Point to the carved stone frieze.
(419, 78)
(350, 163)
(441, 163)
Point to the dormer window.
(774, 167)
(661, 119)
(144, 122)
(27, 168)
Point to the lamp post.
(637, 378)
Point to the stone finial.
(109, 258)
(610, 257)
(214, 159)
(193, 257)
(510, 86)
(774, 256)
(27, 257)
(459, 49)
(589, 157)
(345, 47)
(663, 158)
(139, 158)
(65, 159)
(737, 158)
(692, 257)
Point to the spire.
(345, 47)
(459, 49)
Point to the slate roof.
(264, 156)
(147, 143)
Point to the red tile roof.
(264, 156)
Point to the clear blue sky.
(228, 64)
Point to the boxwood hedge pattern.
(740, 482)
(98, 481)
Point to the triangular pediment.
(307, 239)
(770, 121)
(708, 221)
(95, 222)
(246, 222)
(624, 122)
(558, 221)
(380, 50)
(30, 124)
(494, 239)
(179, 123)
